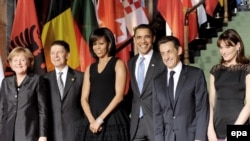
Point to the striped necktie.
(60, 84)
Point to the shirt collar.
(147, 56)
(177, 68)
(64, 70)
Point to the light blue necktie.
(140, 78)
(140, 73)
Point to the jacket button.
(174, 117)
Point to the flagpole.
(186, 23)
(1, 71)
(225, 12)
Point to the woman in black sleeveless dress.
(229, 94)
(103, 91)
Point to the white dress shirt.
(64, 75)
(146, 62)
(177, 70)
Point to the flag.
(26, 33)
(84, 14)
(192, 18)
(172, 12)
(42, 11)
(1, 71)
(210, 6)
(237, 1)
(60, 26)
(221, 2)
(111, 15)
(201, 12)
(135, 14)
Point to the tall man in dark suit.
(65, 112)
(141, 114)
(180, 103)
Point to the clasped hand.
(95, 127)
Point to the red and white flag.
(210, 6)
(135, 14)
(201, 12)
(192, 18)
(110, 14)
(172, 12)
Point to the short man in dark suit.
(180, 104)
(142, 114)
(65, 111)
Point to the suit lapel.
(164, 87)
(180, 85)
(24, 84)
(53, 79)
(133, 77)
(12, 84)
(70, 79)
(165, 84)
(151, 69)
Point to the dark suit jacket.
(186, 118)
(23, 113)
(66, 115)
(144, 99)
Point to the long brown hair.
(231, 38)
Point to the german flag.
(85, 18)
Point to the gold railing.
(186, 23)
(225, 5)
